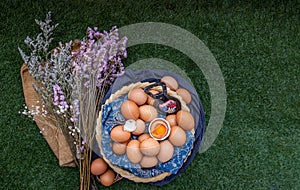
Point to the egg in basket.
(147, 130)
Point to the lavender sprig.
(39, 47)
(96, 66)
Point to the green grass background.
(256, 45)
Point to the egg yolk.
(159, 131)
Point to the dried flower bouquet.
(72, 80)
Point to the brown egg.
(140, 127)
(166, 151)
(130, 110)
(177, 136)
(119, 148)
(149, 147)
(133, 152)
(151, 100)
(171, 119)
(148, 161)
(144, 136)
(138, 96)
(118, 134)
(170, 82)
(185, 95)
(147, 113)
(98, 166)
(185, 120)
(107, 179)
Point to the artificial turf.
(256, 45)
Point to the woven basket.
(125, 173)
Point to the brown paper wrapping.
(52, 134)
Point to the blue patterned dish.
(111, 117)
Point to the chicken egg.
(171, 119)
(185, 120)
(130, 110)
(98, 166)
(147, 113)
(177, 136)
(138, 96)
(140, 127)
(151, 100)
(185, 95)
(133, 152)
(119, 148)
(144, 136)
(107, 178)
(150, 147)
(148, 161)
(118, 134)
(170, 82)
(166, 151)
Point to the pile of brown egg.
(143, 149)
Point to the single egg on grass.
(107, 178)
(98, 166)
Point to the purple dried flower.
(62, 97)
(81, 148)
